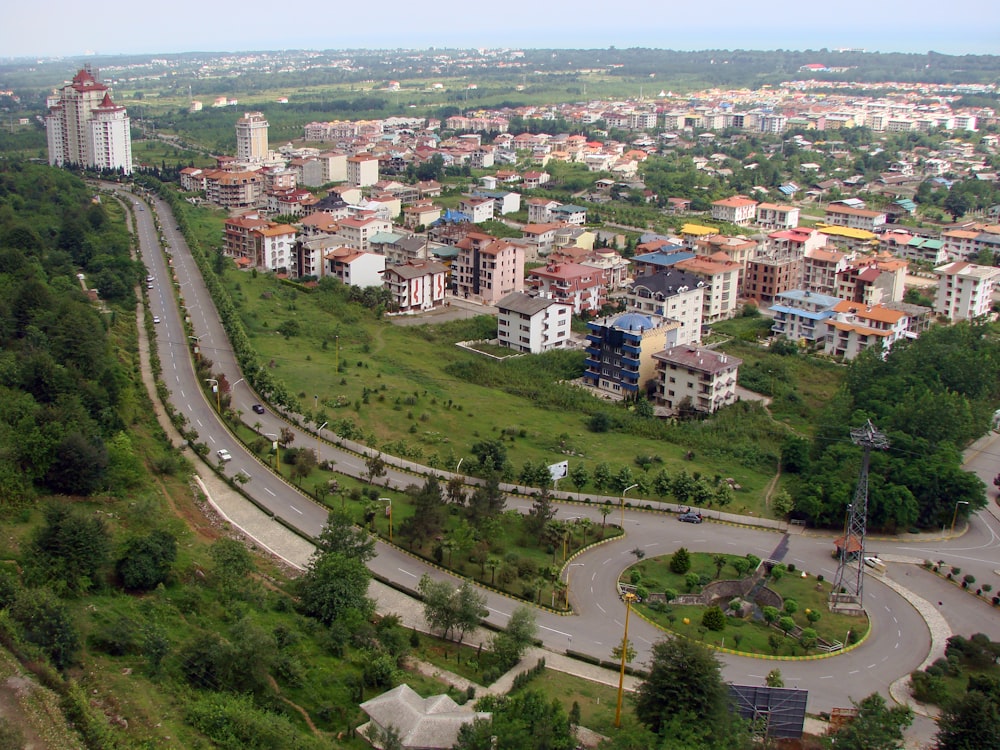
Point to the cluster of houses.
(836, 288)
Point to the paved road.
(900, 638)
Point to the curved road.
(899, 641)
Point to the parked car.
(224, 455)
(690, 517)
(156, 319)
(258, 409)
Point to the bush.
(714, 619)
(680, 561)
(787, 624)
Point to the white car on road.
(224, 455)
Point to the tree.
(375, 467)
(304, 463)
(876, 727)
(578, 477)
(334, 584)
(774, 679)
(720, 562)
(45, 621)
(685, 687)
(538, 516)
(630, 652)
(341, 535)
(232, 564)
(510, 644)
(68, 550)
(970, 722)
(680, 561)
(145, 561)
(714, 619)
(450, 610)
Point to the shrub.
(786, 624)
(791, 606)
(714, 619)
(680, 561)
(791, 567)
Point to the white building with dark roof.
(703, 378)
(533, 324)
(416, 286)
(674, 295)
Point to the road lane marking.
(269, 492)
(601, 608)
(553, 630)
(406, 572)
(295, 509)
(499, 612)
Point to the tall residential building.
(251, 138)
(85, 127)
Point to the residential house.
(421, 214)
(722, 284)
(873, 279)
(192, 179)
(539, 238)
(478, 209)
(777, 216)
(416, 286)
(965, 290)
(616, 268)
(652, 262)
(540, 210)
(504, 201)
(798, 314)
(856, 326)
(678, 205)
(968, 241)
(362, 170)
(533, 324)
(582, 287)
(534, 180)
(691, 377)
(738, 210)
(848, 238)
(357, 232)
(487, 269)
(570, 214)
(691, 233)
(354, 267)
(770, 272)
(673, 295)
(234, 190)
(273, 247)
(821, 265)
(839, 215)
(620, 352)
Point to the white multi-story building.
(533, 324)
(856, 326)
(85, 127)
(362, 170)
(703, 378)
(416, 286)
(672, 295)
(965, 290)
(357, 232)
(738, 210)
(251, 138)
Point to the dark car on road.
(258, 409)
(690, 517)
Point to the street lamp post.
(195, 347)
(215, 390)
(954, 517)
(629, 597)
(319, 438)
(630, 487)
(567, 533)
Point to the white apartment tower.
(85, 127)
(251, 138)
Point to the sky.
(68, 28)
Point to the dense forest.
(64, 399)
(931, 397)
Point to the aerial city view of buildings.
(836, 287)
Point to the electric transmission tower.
(848, 584)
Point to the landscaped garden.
(740, 603)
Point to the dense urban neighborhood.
(500, 398)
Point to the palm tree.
(493, 562)
(605, 511)
(720, 563)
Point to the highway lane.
(899, 639)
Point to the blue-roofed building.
(660, 260)
(798, 314)
(620, 352)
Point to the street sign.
(559, 470)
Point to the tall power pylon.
(849, 582)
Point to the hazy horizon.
(228, 26)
